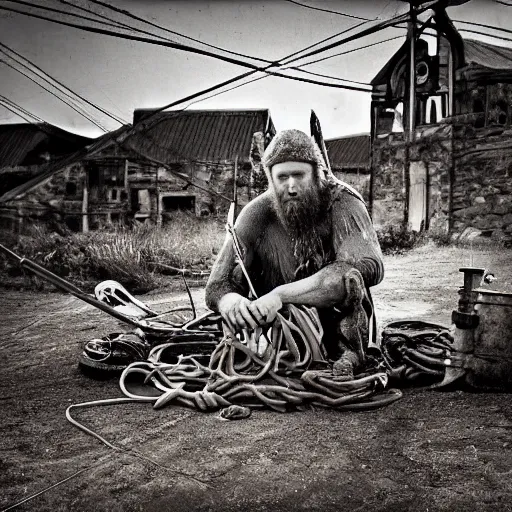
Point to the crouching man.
(307, 240)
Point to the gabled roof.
(476, 54)
(23, 144)
(487, 55)
(172, 136)
(58, 164)
(352, 151)
(198, 135)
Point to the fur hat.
(290, 146)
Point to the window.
(71, 188)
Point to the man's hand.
(234, 309)
(265, 308)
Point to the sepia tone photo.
(256, 255)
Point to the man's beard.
(303, 218)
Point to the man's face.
(292, 181)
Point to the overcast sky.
(121, 75)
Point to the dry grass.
(128, 255)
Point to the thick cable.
(328, 11)
(84, 115)
(49, 79)
(138, 18)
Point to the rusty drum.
(491, 364)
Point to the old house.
(350, 161)
(166, 161)
(27, 149)
(451, 171)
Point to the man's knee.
(355, 288)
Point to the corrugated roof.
(198, 135)
(352, 151)
(22, 144)
(487, 55)
(172, 136)
(55, 166)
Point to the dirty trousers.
(347, 325)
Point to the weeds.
(398, 239)
(128, 255)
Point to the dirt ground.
(430, 451)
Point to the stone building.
(453, 173)
(27, 149)
(166, 161)
(350, 161)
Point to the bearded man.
(308, 240)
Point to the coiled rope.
(417, 352)
(291, 373)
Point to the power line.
(49, 79)
(350, 51)
(86, 116)
(59, 11)
(131, 15)
(96, 30)
(363, 33)
(328, 10)
(485, 26)
(244, 75)
(484, 34)
(185, 48)
(503, 3)
(135, 17)
(330, 77)
(11, 103)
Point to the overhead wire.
(375, 28)
(14, 111)
(138, 18)
(49, 79)
(21, 109)
(127, 13)
(69, 104)
(328, 10)
(167, 43)
(60, 11)
(483, 25)
(350, 51)
(206, 53)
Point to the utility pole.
(411, 35)
(410, 129)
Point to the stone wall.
(482, 188)
(388, 185)
(57, 201)
(358, 180)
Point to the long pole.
(411, 114)
(412, 72)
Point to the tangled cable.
(290, 372)
(417, 352)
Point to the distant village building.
(166, 161)
(26, 149)
(456, 172)
(350, 161)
